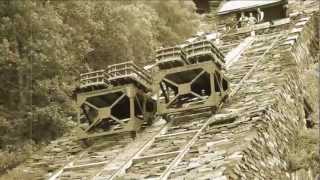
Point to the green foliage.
(16, 174)
(128, 30)
(48, 122)
(303, 152)
(44, 45)
(9, 159)
(43, 124)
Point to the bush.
(48, 123)
(10, 158)
(17, 174)
(303, 152)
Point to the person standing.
(243, 20)
(260, 15)
(251, 22)
(285, 10)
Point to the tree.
(44, 45)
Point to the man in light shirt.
(243, 20)
(260, 15)
(251, 22)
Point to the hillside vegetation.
(44, 45)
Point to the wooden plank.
(175, 134)
(98, 134)
(85, 166)
(147, 158)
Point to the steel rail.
(186, 149)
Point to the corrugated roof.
(236, 5)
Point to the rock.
(56, 150)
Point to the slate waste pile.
(55, 155)
(229, 42)
(106, 156)
(68, 158)
(96, 156)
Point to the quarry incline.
(247, 137)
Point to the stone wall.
(265, 158)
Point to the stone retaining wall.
(264, 158)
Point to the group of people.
(251, 20)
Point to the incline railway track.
(103, 152)
(159, 160)
(159, 149)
